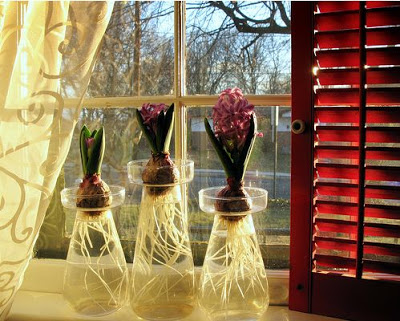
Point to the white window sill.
(39, 306)
(40, 298)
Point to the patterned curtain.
(47, 53)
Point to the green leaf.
(146, 132)
(85, 133)
(96, 158)
(160, 130)
(222, 153)
(247, 148)
(168, 128)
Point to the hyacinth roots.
(96, 279)
(233, 276)
(163, 275)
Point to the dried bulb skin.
(160, 170)
(93, 193)
(233, 189)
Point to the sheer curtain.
(47, 52)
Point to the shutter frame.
(301, 149)
(362, 285)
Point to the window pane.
(234, 44)
(269, 168)
(124, 142)
(133, 63)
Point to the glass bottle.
(96, 275)
(163, 270)
(233, 282)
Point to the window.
(345, 254)
(187, 53)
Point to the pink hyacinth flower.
(231, 118)
(150, 113)
(89, 142)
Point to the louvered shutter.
(351, 248)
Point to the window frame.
(182, 101)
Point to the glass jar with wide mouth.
(233, 282)
(96, 275)
(163, 271)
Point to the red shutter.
(353, 242)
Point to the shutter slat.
(347, 76)
(383, 56)
(337, 96)
(382, 211)
(381, 267)
(383, 96)
(337, 226)
(381, 229)
(351, 152)
(371, 229)
(344, 171)
(336, 39)
(351, 189)
(336, 114)
(380, 4)
(335, 208)
(336, 189)
(376, 36)
(382, 248)
(383, 114)
(383, 75)
(337, 133)
(347, 57)
(382, 191)
(382, 173)
(331, 151)
(388, 153)
(337, 262)
(385, 36)
(336, 20)
(384, 16)
(331, 243)
(334, 6)
(383, 135)
(350, 76)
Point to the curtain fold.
(47, 53)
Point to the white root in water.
(94, 263)
(162, 240)
(240, 259)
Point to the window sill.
(41, 300)
(39, 306)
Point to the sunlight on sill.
(39, 306)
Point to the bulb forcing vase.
(163, 269)
(233, 282)
(96, 275)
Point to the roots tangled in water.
(233, 279)
(163, 271)
(96, 275)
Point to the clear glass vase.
(163, 270)
(233, 282)
(96, 275)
